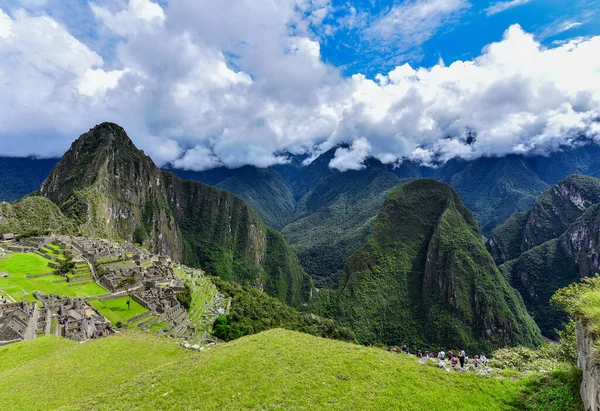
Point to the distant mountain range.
(327, 215)
(398, 258)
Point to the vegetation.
(29, 272)
(253, 311)
(425, 279)
(275, 369)
(32, 216)
(118, 310)
(581, 301)
(104, 174)
(185, 296)
(552, 214)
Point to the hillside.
(327, 215)
(112, 190)
(34, 214)
(425, 278)
(553, 212)
(274, 369)
(551, 246)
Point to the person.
(476, 361)
(466, 359)
(405, 349)
(461, 359)
(394, 350)
(483, 359)
(420, 354)
(453, 361)
(431, 354)
(441, 355)
(450, 354)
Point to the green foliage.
(34, 216)
(65, 266)
(139, 235)
(548, 357)
(253, 311)
(582, 302)
(555, 391)
(425, 279)
(185, 296)
(277, 369)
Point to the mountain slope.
(113, 190)
(425, 277)
(34, 215)
(493, 188)
(551, 215)
(541, 271)
(276, 369)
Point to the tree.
(128, 283)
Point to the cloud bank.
(201, 84)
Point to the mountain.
(22, 176)
(551, 215)
(113, 190)
(493, 188)
(425, 277)
(551, 246)
(327, 215)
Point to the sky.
(199, 84)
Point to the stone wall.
(590, 367)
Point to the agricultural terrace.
(29, 272)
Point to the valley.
(112, 248)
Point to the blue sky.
(204, 83)
(471, 29)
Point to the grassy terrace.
(276, 369)
(17, 287)
(117, 311)
(203, 291)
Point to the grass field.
(116, 310)
(276, 369)
(19, 265)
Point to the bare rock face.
(112, 190)
(587, 361)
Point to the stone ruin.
(155, 289)
(18, 322)
(77, 320)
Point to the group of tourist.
(454, 359)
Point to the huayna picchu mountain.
(425, 278)
(113, 190)
(551, 246)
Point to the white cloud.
(412, 23)
(201, 84)
(351, 158)
(501, 6)
(138, 14)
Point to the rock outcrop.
(587, 354)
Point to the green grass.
(276, 369)
(19, 265)
(116, 310)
